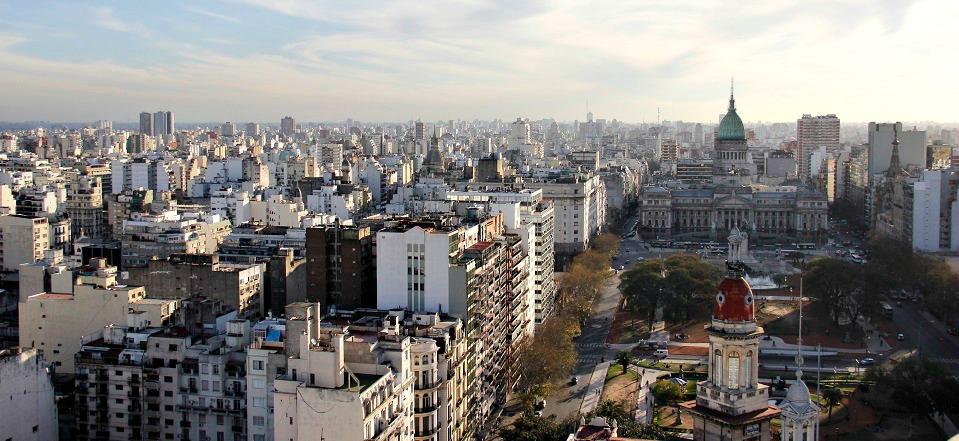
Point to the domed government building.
(733, 198)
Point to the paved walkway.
(645, 405)
(594, 390)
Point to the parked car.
(678, 381)
(868, 361)
(900, 336)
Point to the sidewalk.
(645, 403)
(594, 391)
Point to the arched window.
(732, 379)
(718, 368)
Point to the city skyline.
(258, 60)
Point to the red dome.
(734, 303)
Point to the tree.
(922, 386)
(547, 359)
(678, 284)
(628, 427)
(832, 396)
(837, 285)
(533, 428)
(666, 391)
(607, 244)
(623, 359)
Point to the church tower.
(731, 404)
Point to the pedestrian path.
(594, 390)
(645, 403)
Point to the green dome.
(731, 127)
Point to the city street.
(591, 349)
(936, 342)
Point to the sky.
(258, 60)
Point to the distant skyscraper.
(288, 126)
(162, 123)
(146, 123)
(420, 130)
(519, 132)
(252, 129)
(228, 129)
(813, 132)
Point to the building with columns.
(731, 404)
(717, 210)
(733, 199)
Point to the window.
(258, 421)
(733, 369)
(718, 368)
(172, 348)
(258, 365)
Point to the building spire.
(732, 101)
(895, 168)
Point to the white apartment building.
(27, 411)
(53, 322)
(813, 132)
(138, 382)
(579, 205)
(24, 240)
(343, 385)
(533, 211)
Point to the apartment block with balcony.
(342, 384)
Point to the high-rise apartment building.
(163, 124)
(146, 124)
(519, 133)
(228, 129)
(521, 209)
(25, 239)
(813, 132)
(419, 131)
(143, 382)
(288, 126)
(252, 129)
(474, 272)
(341, 266)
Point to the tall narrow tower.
(731, 404)
(800, 416)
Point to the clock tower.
(731, 405)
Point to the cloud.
(212, 14)
(104, 18)
(477, 59)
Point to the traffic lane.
(913, 323)
(591, 350)
(935, 343)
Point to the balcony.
(426, 432)
(425, 409)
